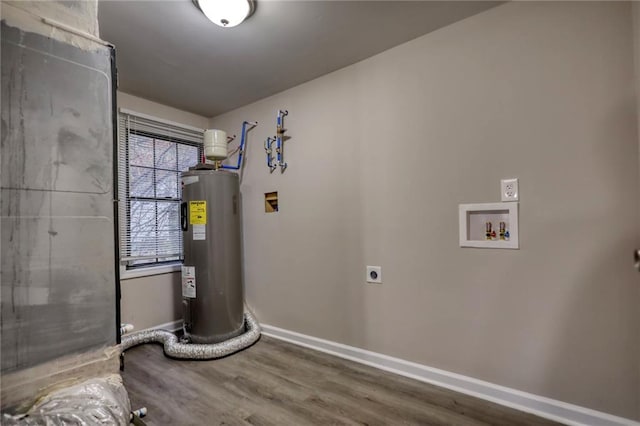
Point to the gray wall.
(57, 230)
(382, 153)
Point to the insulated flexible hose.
(174, 349)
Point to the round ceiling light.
(226, 13)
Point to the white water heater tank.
(215, 144)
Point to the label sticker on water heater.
(189, 282)
(198, 212)
(199, 232)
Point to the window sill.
(147, 272)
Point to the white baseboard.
(169, 326)
(544, 407)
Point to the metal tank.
(212, 291)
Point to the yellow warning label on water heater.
(198, 212)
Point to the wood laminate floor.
(277, 383)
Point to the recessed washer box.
(473, 225)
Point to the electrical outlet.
(509, 190)
(374, 274)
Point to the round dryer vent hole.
(374, 274)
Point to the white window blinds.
(151, 155)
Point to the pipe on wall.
(174, 349)
(243, 138)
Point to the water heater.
(212, 291)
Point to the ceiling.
(168, 52)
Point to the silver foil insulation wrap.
(100, 401)
(173, 348)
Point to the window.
(152, 154)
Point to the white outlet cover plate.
(374, 274)
(509, 190)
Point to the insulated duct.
(174, 349)
(98, 401)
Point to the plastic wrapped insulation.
(174, 349)
(100, 401)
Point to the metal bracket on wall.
(280, 138)
(267, 148)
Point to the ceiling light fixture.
(226, 13)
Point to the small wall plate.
(509, 190)
(374, 274)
